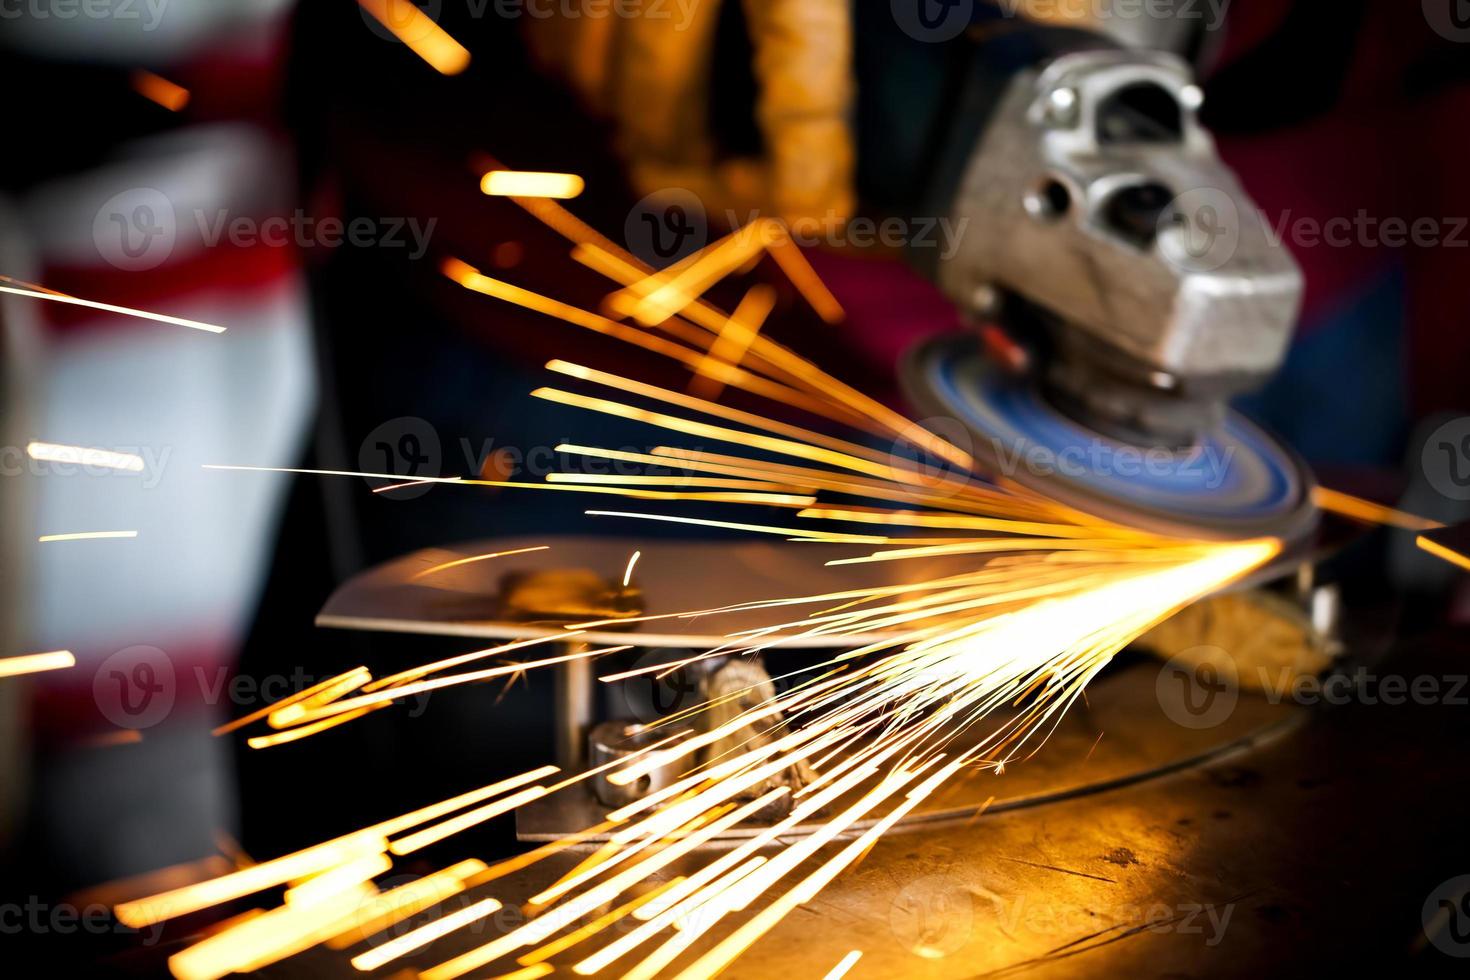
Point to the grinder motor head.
(1102, 234)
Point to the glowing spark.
(474, 558)
(192, 898)
(410, 483)
(103, 458)
(323, 886)
(422, 936)
(431, 835)
(417, 30)
(392, 907)
(1441, 551)
(265, 938)
(597, 925)
(156, 88)
(86, 536)
(968, 671)
(531, 183)
(844, 965)
(778, 499)
(38, 292)
(628, 572)
(1367, 510)
(788, 256)
(305, 731)
(528, 973)
(330, 683)
(670, 294)
(733, 341)
(33, 663)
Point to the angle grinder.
(1122, 286)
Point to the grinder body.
(1102, 238)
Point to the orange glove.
(650, 73)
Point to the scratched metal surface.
(1313, 853)
(675, 577)
(1126, 730)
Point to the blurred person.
(159, 160)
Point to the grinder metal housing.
(1105, 238)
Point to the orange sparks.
(80, 456)
(788, 256)
(1441, 551)
(733, 341)
(158, 89)
(936, 676)
(434, 570)
(86, 536)
(417, 30)
(531, 183)
(844, 966)
(1366, 510)
(422, 936)
(18, 288)
(34, 663)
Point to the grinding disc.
(1237, 482)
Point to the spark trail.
(973, 670)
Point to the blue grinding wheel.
(1237, 483)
